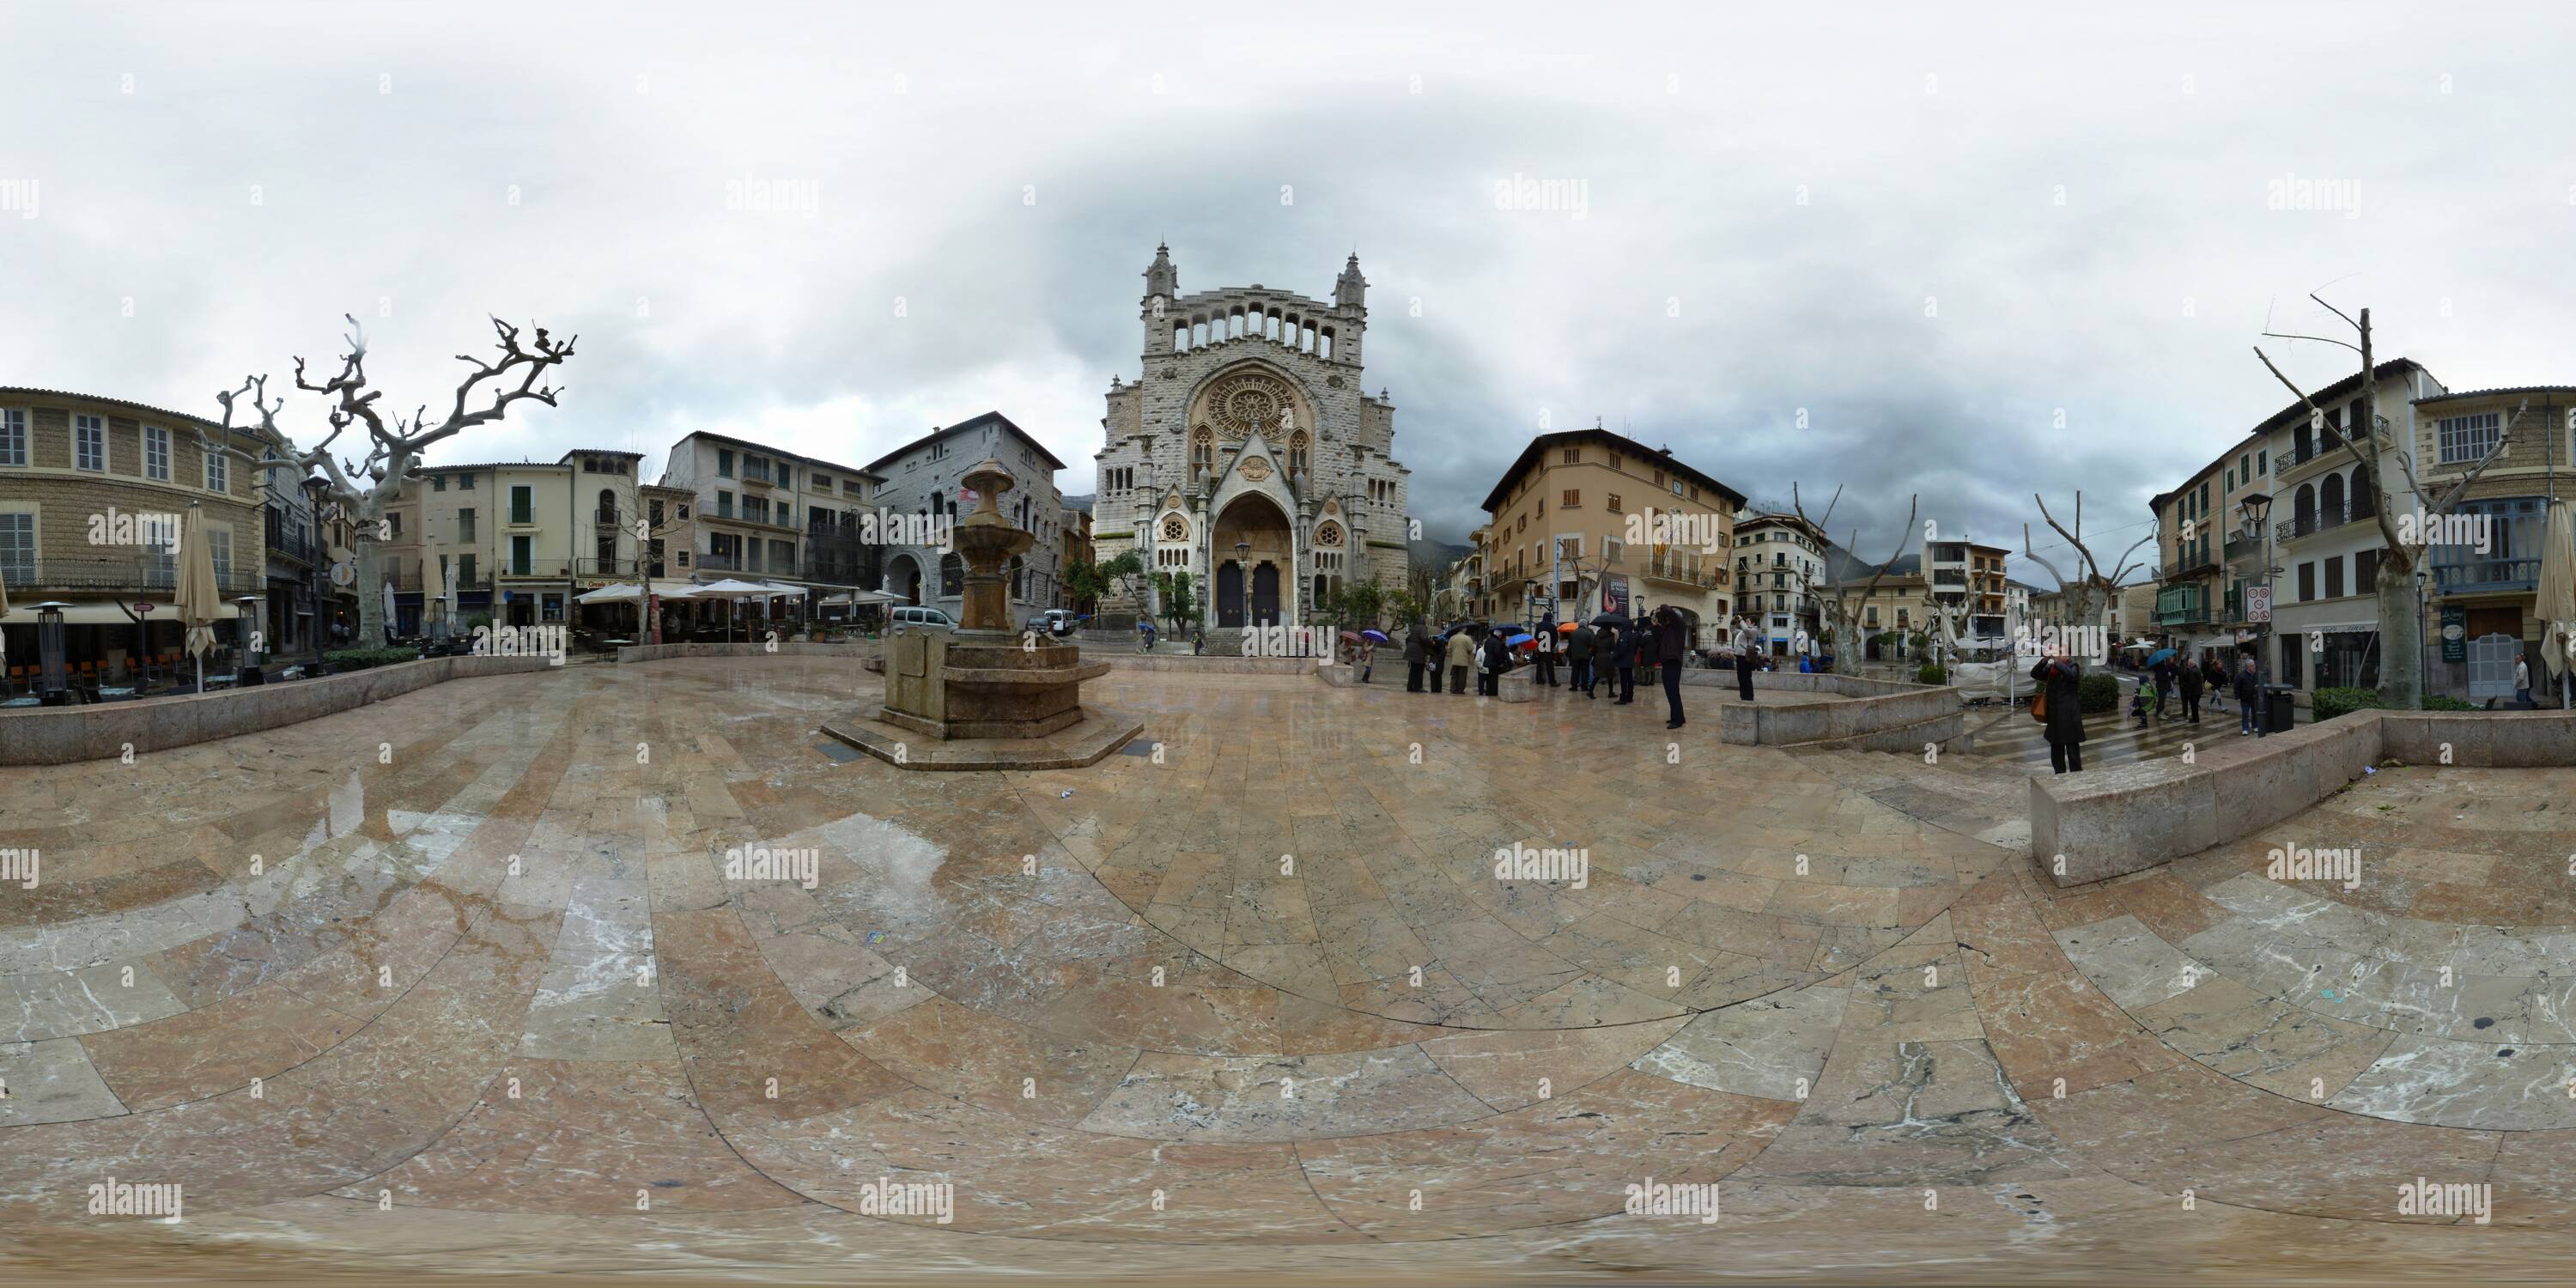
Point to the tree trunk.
(2401, 664)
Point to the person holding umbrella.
(1369, 640)
(1543, 650)
(1491, 661)
(2189, 677)
(1579, 649)
(1417, 646)
(1462, 657)
(2059, 679)
(1669, 643)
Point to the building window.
(724, 462)
(219, 544)
(522, 555)
(2468, 439)
(2365, 572)
(1573, 498)
(89, 443)
(1574, 456)
(219, 472)
(523, 504)
(18, 548)
(13, 436)
(465, 524)
(437, 482)
(464, 482)
(156, 453)
(1613, 504)
(2307, 582)
(1613, 550)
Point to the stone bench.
(2104, 823)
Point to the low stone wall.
(1128, 659)
(66, 735)
(662, 652)
(2105, 823)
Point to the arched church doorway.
(1257, 522)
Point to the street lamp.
(2258, 507)
(318, 565)
(245, 614)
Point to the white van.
(904, 618)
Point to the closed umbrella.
(389, 608)
(2555, 605)
(433, 585)
(198, 601)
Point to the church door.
(1265, 594)
(1229, 594)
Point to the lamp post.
(317, 568)
(2257, 507)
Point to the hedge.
(1931, 673)
(2097, 692)
(360, 659)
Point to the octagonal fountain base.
(977, 700)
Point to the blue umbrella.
(1517, 640)
(2157, 658)
(1374, 634)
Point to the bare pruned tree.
(2400, 650)
(2090, 592)
(369, 487)
(1841, 609)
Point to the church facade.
(1247, 453)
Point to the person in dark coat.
(1747, 645)
(1491, 661)
(1623, 657)
(1417, 646)
(2213, 674)
(2164, 677)
(2190, 678)
(1669, 645)
(1648, 650)
(1579, 649)
(2058, 678)
(2249, 695)
(1543, 651)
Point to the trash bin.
(2280, 708)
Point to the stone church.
(1248, 455)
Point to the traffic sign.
(2258, 604)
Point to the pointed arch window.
(1202, 450)
(1297, 453)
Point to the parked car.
(908, 618)
(1058, 622)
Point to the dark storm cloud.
(1985, 254)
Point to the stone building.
(923, 481)
(1586, 521)
(91, 492)
(1247, 454)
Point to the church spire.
(1160, 277)
(1350, 289)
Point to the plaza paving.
(1248, 997)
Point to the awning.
(104, 615)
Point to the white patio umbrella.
(198, 602)
(734, 590)
(433, 591)
(390, 617)
(2555, 605)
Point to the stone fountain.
(986, 696)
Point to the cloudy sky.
(1970, 252)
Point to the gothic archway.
(1256, 521)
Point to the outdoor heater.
(2258, 508)
(55, 685)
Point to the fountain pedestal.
(986, 696)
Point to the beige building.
(1587, 521)
(88, 485)
(757, 513)
(2483, 578)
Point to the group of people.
(1609, 651)
(2060, 691)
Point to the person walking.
(2522, 683)
(2215, 673)
(1669, 642)
(1544, 649)
(2164, 676)
(1367, 658)
(1623, 661)
(2249, 694)
(1745, 645)
(1198, 641)
(1579, 649)
(2058, 677)
(1417, 646)
(2190, 680)
(1462, 658)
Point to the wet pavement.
(618, 968)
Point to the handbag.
(2039, 706)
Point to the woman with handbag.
(2060, 708)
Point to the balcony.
(1679, 572)
(2190, 565)
(2487, 576)
(535, 569)
(2309, 525)
(606, 516)
(2178, 605)
(128, 575)
(2240, 546)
